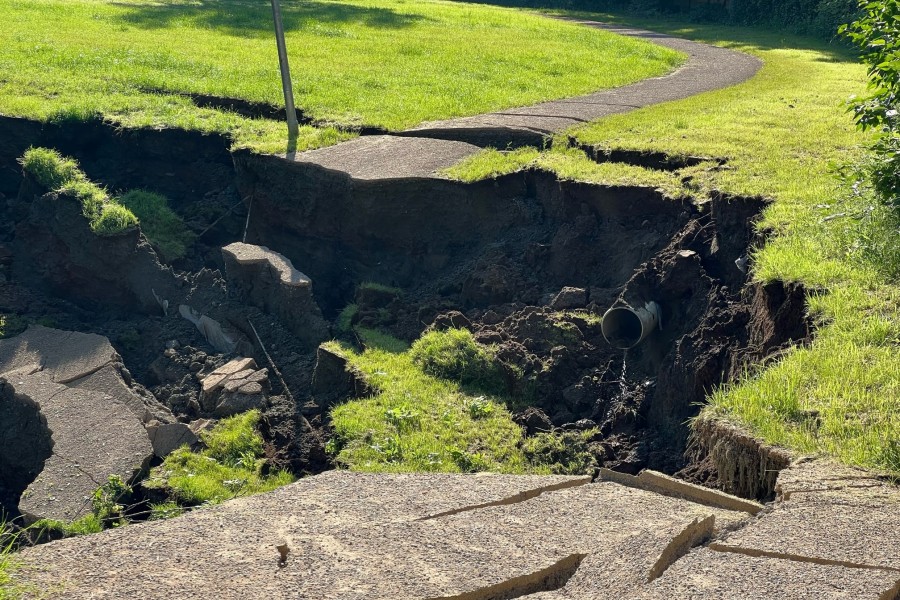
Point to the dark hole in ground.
(526, 262)
(643, 158)
(25, 443)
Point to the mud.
(527, 262)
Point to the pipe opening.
(625, 327)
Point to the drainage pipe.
(625, 327)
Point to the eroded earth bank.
(526, 262)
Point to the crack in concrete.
(549, 579)
(697, 532)
(785, 496)
(518, 498)
(797, 557)
(67, 380)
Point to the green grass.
(417, 422)
(165, 229)
(230, 466)
(571, 164)
(9, 589)
(384, 63)
(61, 174)
(785, 133)
(454, 354)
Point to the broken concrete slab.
(235, 387)
(108, 380)
(348, 535)
(856, 527)
(63, 355)
(269, 281)
(168, 437)
(819, 474)
(92, 437)
(80, 360)
(704, 574)
(374, 157)
(669, 486)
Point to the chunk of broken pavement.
(80, 360)
(269, 281)
(85, 437)
(235, 387)
(168, 437)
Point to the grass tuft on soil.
(787, 136)
(162, 226)
(57, 173)
(9, 589)
(419, 422)
(231, 465)
(455, 355)
(383, 63)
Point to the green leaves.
(877, 35)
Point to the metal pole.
(285, 71)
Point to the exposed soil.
(493, 257)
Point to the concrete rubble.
(235, 387)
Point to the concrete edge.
(653, 481)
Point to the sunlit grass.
(571, 164)
(228, 467)
(382, 63)
(417, 422)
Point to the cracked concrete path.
(422, 151)
(353, 535)
(489, 537)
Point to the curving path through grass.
(433, 146)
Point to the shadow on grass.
(253, 18)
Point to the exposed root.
(746, 467)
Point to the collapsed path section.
(442, 537)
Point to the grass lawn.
(418, 422)
(785, 134)
(383, 63)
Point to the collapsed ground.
(508, 278)
(556, 235)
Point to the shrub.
(877, 34)
(455, 355)
(564, 453)
(162, 226)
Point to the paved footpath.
(834, 533)
(430, 147)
